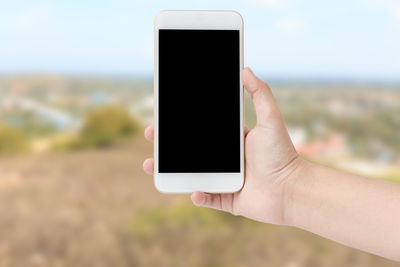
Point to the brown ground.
(97, 208)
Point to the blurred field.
(97, 208)
(91, 205)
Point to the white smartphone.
(198, 137)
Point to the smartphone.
(198, 114)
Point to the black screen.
(199, 101)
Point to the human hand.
(282, 188)
(271, 162)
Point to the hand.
(282, 188)
(271, 162)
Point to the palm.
(266, 171)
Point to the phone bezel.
(190, 182)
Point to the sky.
(287, 39)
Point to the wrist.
(297, 182)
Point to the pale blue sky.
(355, 39)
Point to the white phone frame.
(190, 182)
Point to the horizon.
(289, 80)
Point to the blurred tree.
(106, 124)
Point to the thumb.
(263, 100)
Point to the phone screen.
(199, 101)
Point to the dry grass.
(97, 208)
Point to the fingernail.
(198, 201)
(249, 69)
(193, 198)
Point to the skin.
(282, 188)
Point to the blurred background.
(76, 94)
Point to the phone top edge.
(169, 14)
(198, 10)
